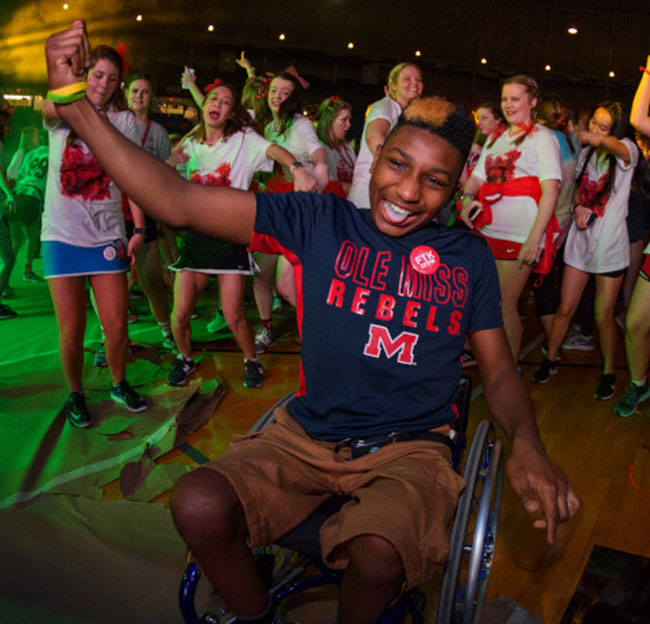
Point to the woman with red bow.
(83, 237)
(223, 150)
(510, 196)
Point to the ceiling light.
(210, 28)
(483, 61)
(350, 45)
(282, 37)
(418, 53)
(572, 30)
(547, 68)
(138, 18)
(66, 6)
(612, 74)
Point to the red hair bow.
(121, 50)
(292, 71)
(212, 85)
(335, 98)
(263, 88)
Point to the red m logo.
(404, 345)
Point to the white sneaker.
(264, 338)
(578, 342)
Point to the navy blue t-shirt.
(381, 341)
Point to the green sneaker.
(627, 405)
(217, 323)
(124, 394)
(78, 414)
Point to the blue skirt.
(61, 259)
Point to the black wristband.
(142, 231)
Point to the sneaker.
(578, 342)
(6, 312)
(545, 371)
(182, 370)
(194, 315)
(135, 293)
(132, 317)
(217, 323)
(124, 394)
(605, 389)
(628, 403)
(78, 414)
(467, 358)
(100, 357)
(264, 338)
(278, 304)
(253, 374)
(30, 276)
(8, 292)
(169, 343)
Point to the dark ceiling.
(452, 37)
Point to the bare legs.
(211, 520)
(637, 330)
(512, 279)
(69, 298)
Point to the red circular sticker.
(425, 259)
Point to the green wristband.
(65, 99)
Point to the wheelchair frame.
(472, 543)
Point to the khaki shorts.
(405, 492)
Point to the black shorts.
(205, 254)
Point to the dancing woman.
(510, 196)
(404, 85)
(597, 242)
(83, 236)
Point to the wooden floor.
(606, 458)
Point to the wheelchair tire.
(468, 567)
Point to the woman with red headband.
(510, 196)
(224, 150)
(83, 237)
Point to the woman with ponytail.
(597, 242)
(510, 197)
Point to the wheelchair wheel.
(474, 531)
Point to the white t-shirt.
(538, 155)
(82, 204)
(605, 245)
(227, 163)
(387, 109)
(340, 162)
(157, 141)
(29, 169)
(300, 139)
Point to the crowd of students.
(549, 193)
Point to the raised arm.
(189, 82)
(539, 483)
(639, 117)
(217, 211)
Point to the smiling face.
(408, 86)
(139, 95)
(413, 177)
(601, 122)
(218, 105)
(103, 79)
(279, 90)
(487, 122)
(340, 126)
(517, 104)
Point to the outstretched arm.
(216, 211)
(639, 117)
(538, 482)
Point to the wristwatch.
(295, 165)
(142, 231)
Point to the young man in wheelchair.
(385, 301)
